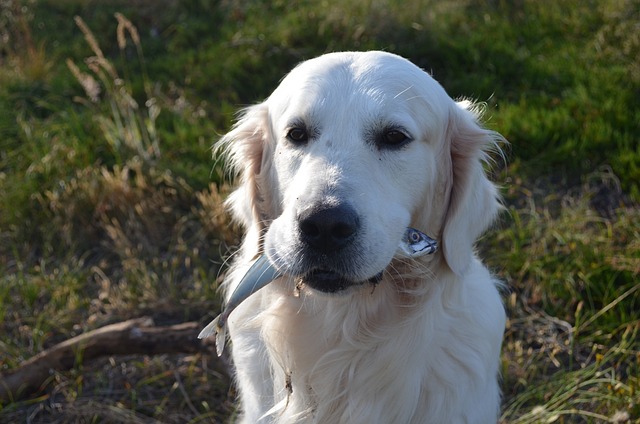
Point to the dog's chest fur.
(321, 351)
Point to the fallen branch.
(136, 336)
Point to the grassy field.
(110, 203)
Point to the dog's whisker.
(403, 91)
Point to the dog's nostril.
(309, 228)
(342, 230)
(328, 229)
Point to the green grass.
(110, 206)
(571, 347)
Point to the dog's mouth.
(413, 244)
(328, 281)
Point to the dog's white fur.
(421, 346)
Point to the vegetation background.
(110, 201)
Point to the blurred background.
(110, 201)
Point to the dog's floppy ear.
(473, 201)
(246, 149)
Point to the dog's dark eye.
(394, 138)
(298, 135)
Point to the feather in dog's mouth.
(413, 244)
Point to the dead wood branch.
(136, 336)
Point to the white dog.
(349, 151)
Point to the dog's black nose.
(328, 229)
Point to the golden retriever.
(349, 151)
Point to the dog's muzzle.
(327, 234)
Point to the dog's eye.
(298, 135)
(394, 138)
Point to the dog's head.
(350, 150)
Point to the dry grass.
(125, 242)
(128, 126)
(166, 388)
(571, 352)
(106, 244)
